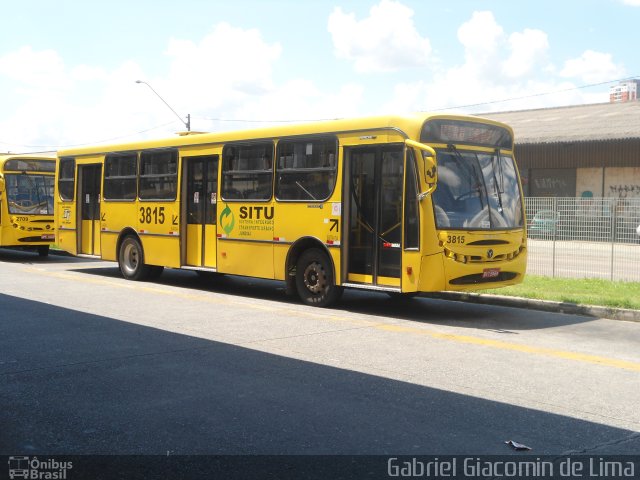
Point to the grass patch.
(586, 291)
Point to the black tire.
(131, 260)
(43, 250)
(315, 280)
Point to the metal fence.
(584, 237)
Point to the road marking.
(523, 348)
(324, 316)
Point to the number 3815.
(151, 215)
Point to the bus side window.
(158, 175)
(247, 171)
(66, 178)
(306, 169)
(120, 176)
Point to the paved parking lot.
(93, 364)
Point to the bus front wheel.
(314, 279)
(131, 260)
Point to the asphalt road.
(93, 364)
(581, 259)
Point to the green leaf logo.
(227, 220)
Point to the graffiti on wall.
(550, 183)
(624, 191)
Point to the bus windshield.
(29, 194)
(477, 190)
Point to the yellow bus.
(400, 204)
(26, 201)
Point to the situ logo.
(33, 468)
(227, 220)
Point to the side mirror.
(429, 164)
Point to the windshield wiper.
(498, 187)
(469, 169)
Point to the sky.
(68, 69)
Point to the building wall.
(589, 182)
(622, 182)
(609, 168)
(624, 92)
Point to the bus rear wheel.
(131, 260)
(314, 279)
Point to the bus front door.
(89, 199)
(373, 193)
(201, 180)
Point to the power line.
(88, 143)
(238, 120)
(533, 95)
(490, 102)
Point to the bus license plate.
(48, 236)
(490, 272)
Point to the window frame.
(141, 177)
(230, 173)
(71, 180)
(411, 180)
(108, 157)
(331, 169)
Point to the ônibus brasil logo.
(33, 468)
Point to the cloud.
(226, 74)
(633, 3)
(43, 69)
(592, 67)
(227, 59)
(504, 70)
(492, 55)
(528, 51)
(301, 100)
(385, 41)
(481, 37)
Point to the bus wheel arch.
(311, 273)
(131, 256)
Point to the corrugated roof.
(578, 123)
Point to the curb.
(543, 305)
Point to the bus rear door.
(89, 199)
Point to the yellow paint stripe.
(500, 345)
(322, 315)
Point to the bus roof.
(32, 162)
(409, 124)
(27, 156)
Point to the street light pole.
(187, 123)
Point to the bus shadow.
(79, 383)
(457, 313)
(11, 255)
(433, 311)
